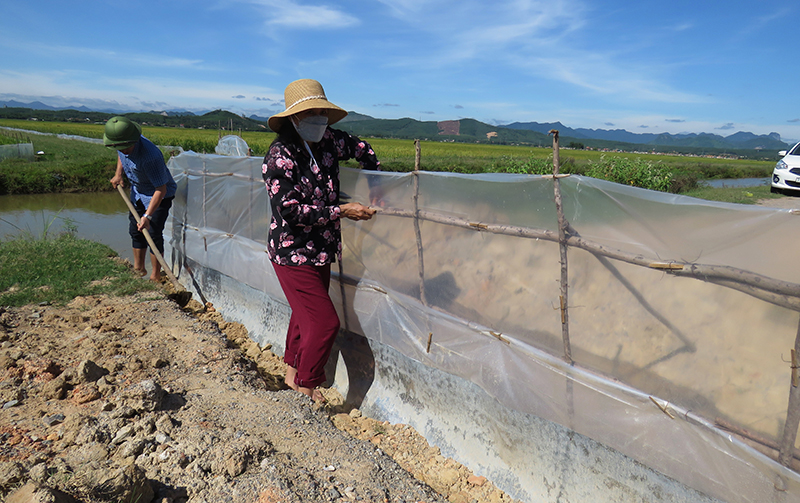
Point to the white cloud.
(292, 14)
(68, 52)
(126, 90)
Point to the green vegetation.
(78, 166)
(56, 270)
(65, 166)
(636, 172)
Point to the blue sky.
(646, 66)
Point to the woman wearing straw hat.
(301, 172)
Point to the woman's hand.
(356, 211)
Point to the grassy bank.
(63, 166)
(56, 270)
(738, 195)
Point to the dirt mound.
(135, 400)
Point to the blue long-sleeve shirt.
(146, 170)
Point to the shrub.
(633, 172)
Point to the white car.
(786, 175)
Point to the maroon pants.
(314, 323)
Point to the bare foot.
(291, 372)
(315, 394)
(318, 397)
(142, 272)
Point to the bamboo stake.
(562, 246)
(792, 415)
(421, 262)
(343, 293)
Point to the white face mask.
(311, 128)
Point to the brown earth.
(785, 202)
(136, 400)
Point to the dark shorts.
(138, 240)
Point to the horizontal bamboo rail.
(782, 293)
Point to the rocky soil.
(137, 400)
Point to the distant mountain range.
(466, 130)
(740, 140)
(38, 105)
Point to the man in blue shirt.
(152, 187)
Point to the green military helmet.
(121, 132)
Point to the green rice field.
(672, 173)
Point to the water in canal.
(100, 216)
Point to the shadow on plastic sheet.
(359, 360)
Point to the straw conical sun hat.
(302, 95)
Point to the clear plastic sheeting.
(17, 151)
(232, 145)
(682, 313)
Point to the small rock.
(38, 473)
(164, 424)
(105, 385)
(57, 388)
(124, 433)
(6, 362)
(159, 363)
(461, 497)
(33, 493)
(145, 396)
(162, 438)
(85, 393)
(89, 371)
(355, 413)
(441, 479)
(54, 419)
(132, 447)
(476, 480)
(333, 494)
(10, 403)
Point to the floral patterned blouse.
(304, 196)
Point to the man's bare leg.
(138, 260)
(156, 276)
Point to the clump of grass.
(56, 270)
(739, 195)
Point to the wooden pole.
(793, 413)
(149, 239)
(562, 245)
(420, 260)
